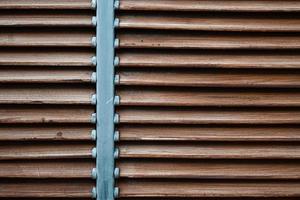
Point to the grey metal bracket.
(94, 134)
(94, 41)
(94, 21)
(93, 4)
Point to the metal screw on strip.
(94, 193)
(94, 21)
(94, 60)
(116, 153)
(94, 173)
(116, 61)
(93, 118)
(94, 134)
(116, 118)
(117, 42)
(117, 79)
(117, 100)
(93, 4)
(94, 152)
(94, 99)
(117, 172)
(94, 41)
(94, 77)
(117, 136)
(116, 192)
(117, 4)
(116, 22)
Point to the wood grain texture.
(211, 5)
(45, 151)
(38, 133)
(208, 41)
(31, 115)
(46, 95)
(211, 151)
(209, 23)
(41, 75)
(209, 169)
(45, 4)
(209, 60)
(46, 39)
(74, 189)
(207, 189)
(209, 79)
(46, 169)
(196, 133)
(173, 97)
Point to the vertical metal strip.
(105, 99)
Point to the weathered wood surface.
(45, 4)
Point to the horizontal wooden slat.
(207, 116)
(206, 150)
(209, 79)
(49, 58)
(205, 41)
(208, 189)
(38, 133)
(173, 97)
(211, 60)
(209, 169)
(45, 151)
(40, 75)
(46, 95)
(46, 20)
(194, 133)
(43, 39)
(45, 4)
(210, 23)
(11, 115)
(211, 5)
(46, 189)
(46, 169)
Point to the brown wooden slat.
(211, 5)
(210, 79)
(46, 20)
(205, 41)
(11, 115)
(46, 169)
(208, 189)
(45, 151)
(45, 4)
(210, 23)
(204, 60)
(211, 151)
(46, 58)
(169, 97)
(194, 133)
(57, 38)
(38, 133)
(209, 169)
(41, 75)
(46, 189)
(46, 95)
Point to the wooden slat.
(10, 115)
(194, 133)
(46, 58)
(46, 95)
(209, 79)
(210, 23)
(211, 151)
(46, 20)
(46, 169)
(173, 97)
(46, 189)
(211, 5)
(38, 133)
(40, 75)
(46, 38)
(205, 41)
(45, 4)
(211, 60)
(209, 169)
(45, 151)
(208, 189)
